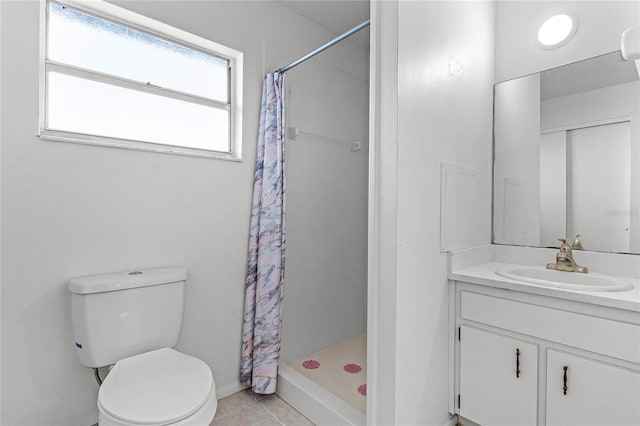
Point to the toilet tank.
(122, 314)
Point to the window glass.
(85, 106)
(85, 41)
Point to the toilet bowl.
(161, 387)
(132, 320)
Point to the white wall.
(70, 210)
(382, 250)
(600, 24)
(591, 107)
(553, 189)
(326, 279)
(516, 204)
(440, 116)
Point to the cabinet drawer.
(608, 337)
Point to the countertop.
(485, 274)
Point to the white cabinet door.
(498, 379)
(596, 393)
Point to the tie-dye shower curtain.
(265, 270)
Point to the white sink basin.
(567, 280)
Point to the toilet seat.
(156, 388)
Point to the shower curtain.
(265, 269)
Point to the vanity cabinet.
(509, 350)
(589, 392)
(498, 378)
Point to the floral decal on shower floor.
(352, 368)
(311, 364)
(362, 389)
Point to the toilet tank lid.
(127, 279)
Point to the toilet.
(131, 321)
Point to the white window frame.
(142, 23)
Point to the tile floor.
(249, 409)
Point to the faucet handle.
(565, 248)
(577, 243)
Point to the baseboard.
(230, 389)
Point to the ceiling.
(337, 16)
(590, 74)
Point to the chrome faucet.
(564, 260)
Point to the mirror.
(567, 156)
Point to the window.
(113, 77)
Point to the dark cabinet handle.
(564, 388)
(517, 362)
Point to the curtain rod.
(325, 46)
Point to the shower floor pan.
(328, 387)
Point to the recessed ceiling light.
(556, 31)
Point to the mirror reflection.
(567, 151)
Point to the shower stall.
(322, 369)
